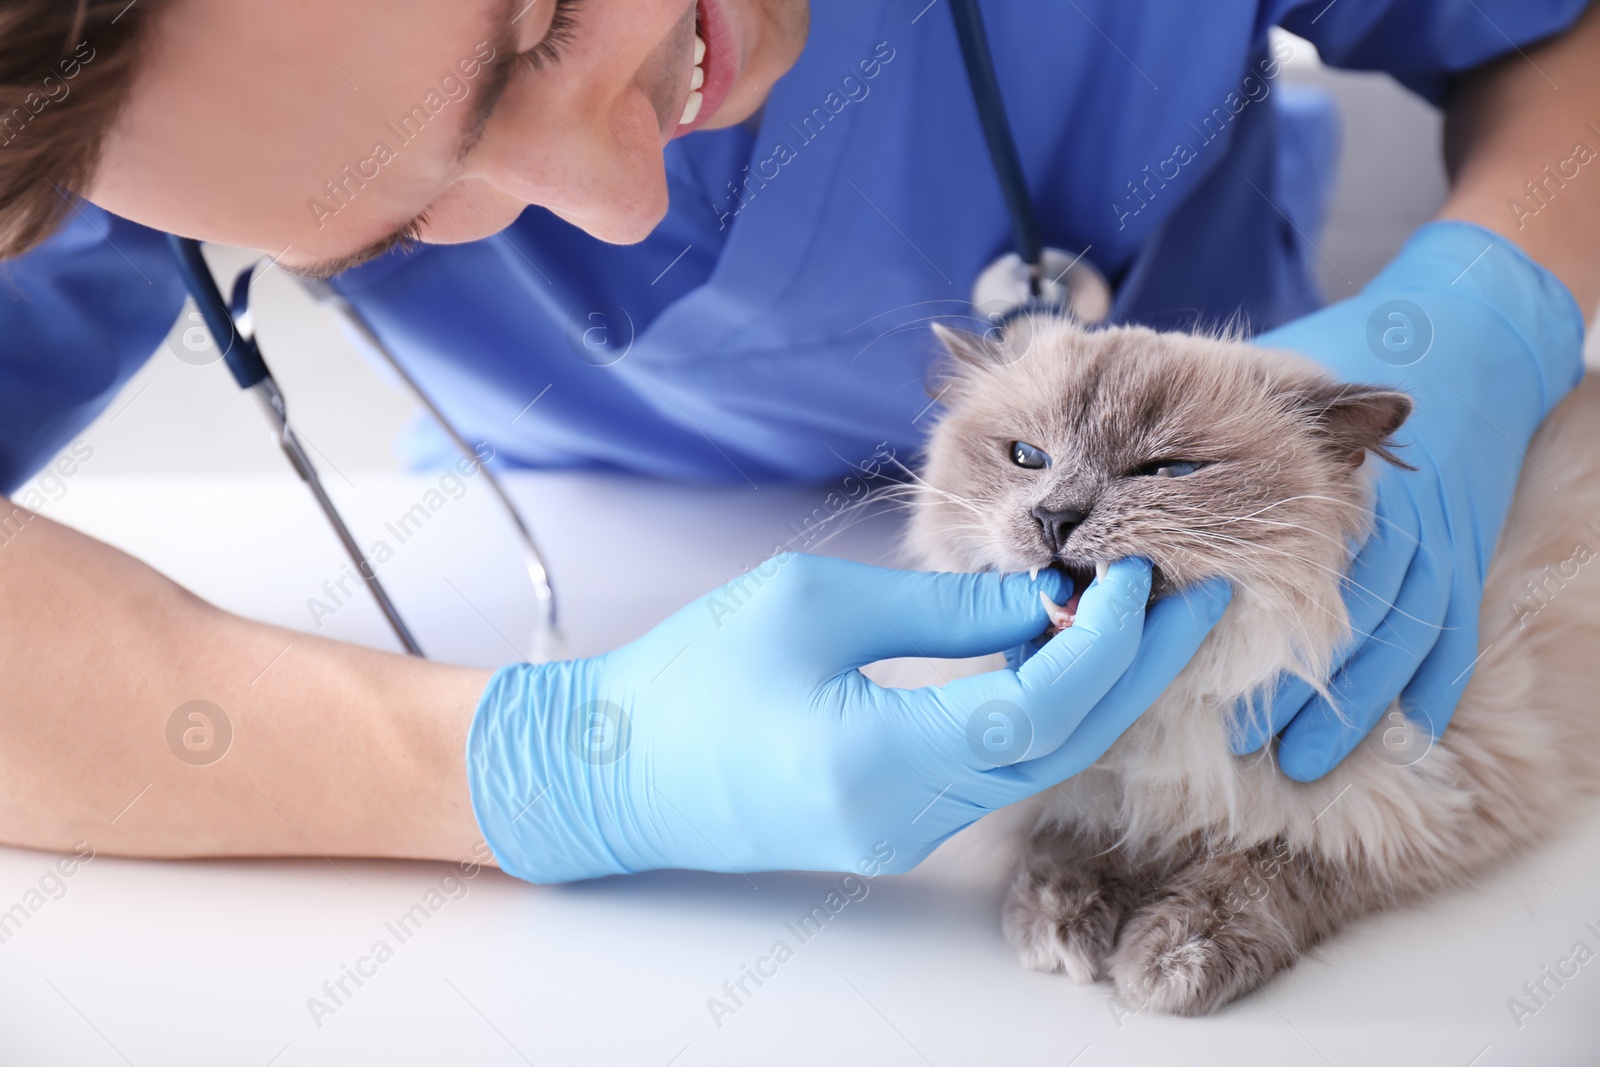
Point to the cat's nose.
(1056, 525)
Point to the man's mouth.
(1080, 574)
(713, 67)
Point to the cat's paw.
(1062, 921)
(1189, 954)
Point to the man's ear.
(1356, 419)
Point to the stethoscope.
(233, 332)
(1033, 278)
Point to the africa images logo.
(454, 86)
(853, 88)
(1254, 89)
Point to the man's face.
(320, 132)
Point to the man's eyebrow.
(501, 35)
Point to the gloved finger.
(1436, 688)
(1017, 655)
(935, 614)
(1174, 628)
(1370, 591)
(1325, 733)
(1066, 678)
(1008, 714)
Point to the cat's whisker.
(1275, 579)
(1378, 519)
(1225, 518)
(928, 486)
(838, 522)
(905, 496)
(963, 309)
(1230, 520)
(919, 325)
(1241, 553)
(1343, 577)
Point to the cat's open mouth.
(1081, 574)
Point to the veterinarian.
(764, 225)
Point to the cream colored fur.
(1403, 815)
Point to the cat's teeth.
(1059, 616)
(1033, 573)
(1101, 569)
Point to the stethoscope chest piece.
(1066, 284)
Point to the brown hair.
(65, 69)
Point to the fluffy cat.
(1187, 875)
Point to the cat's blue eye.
(1168, 468)
(1025, 455)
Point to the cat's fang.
(1100, 571)
(1033, 573)
(1061, 616)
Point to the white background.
(201, 963)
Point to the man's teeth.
(697, 78)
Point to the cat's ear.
(1356, 419)
(964, 352)
(969, 348)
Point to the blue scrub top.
(773, 328)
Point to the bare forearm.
(1522, 140)
(335, 749)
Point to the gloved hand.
(1486, 342)
(738, 735)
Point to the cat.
(1184, 874)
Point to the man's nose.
(1057, 524)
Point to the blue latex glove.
(739, 736)
(1486, 342)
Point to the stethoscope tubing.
(232, 331)
(997, 133)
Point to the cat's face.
(1208, 457)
